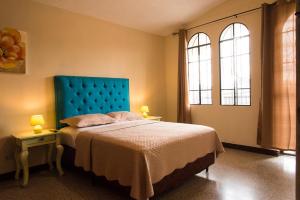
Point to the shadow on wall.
(50, 102)
(37, 155)
(7, 147)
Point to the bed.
(149, 157)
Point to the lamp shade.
(144, 109)
(37, 120)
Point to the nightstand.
(29, 139)
(157, 118)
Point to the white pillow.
(88, 120)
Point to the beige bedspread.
(140, 153)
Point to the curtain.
(298, 99)
(183, 110)
(277, 114)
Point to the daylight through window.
(199, 69)
(235, 65)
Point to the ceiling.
(161, 17)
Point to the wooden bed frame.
(170, 181)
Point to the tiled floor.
(237, 175)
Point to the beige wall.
(61, 42)
(234, 124)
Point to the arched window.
(235, 65)
(289, 49)
(286, 97)
(199, 69)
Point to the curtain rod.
(220, 19)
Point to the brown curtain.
(277, 117)
(183, 110)
(298, 98)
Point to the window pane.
(242, 46)
(194, 76)
(242, 71)
(206, 97)
(203, 39)
(205, 75)
(194, 97)
(193, 55)
(227, 97)
(289, 71)
(288, 43)
(289, 53)
(240, 30)
(235, 65)
(227, 33)
(205, 52)
(227, 73)
(243, 97)
(226, 48)
(289, 24)
(193, 41)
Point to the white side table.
(29, 139)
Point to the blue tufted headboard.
(75, 95)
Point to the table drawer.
(39, 140)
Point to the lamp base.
(145, 115)
(37, 129)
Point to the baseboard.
(259, 150)
(33, 169)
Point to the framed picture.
(12, 51)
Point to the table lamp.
(145, 110)
(37, 121)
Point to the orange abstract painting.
(12, 51)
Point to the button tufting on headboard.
(84, 95)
